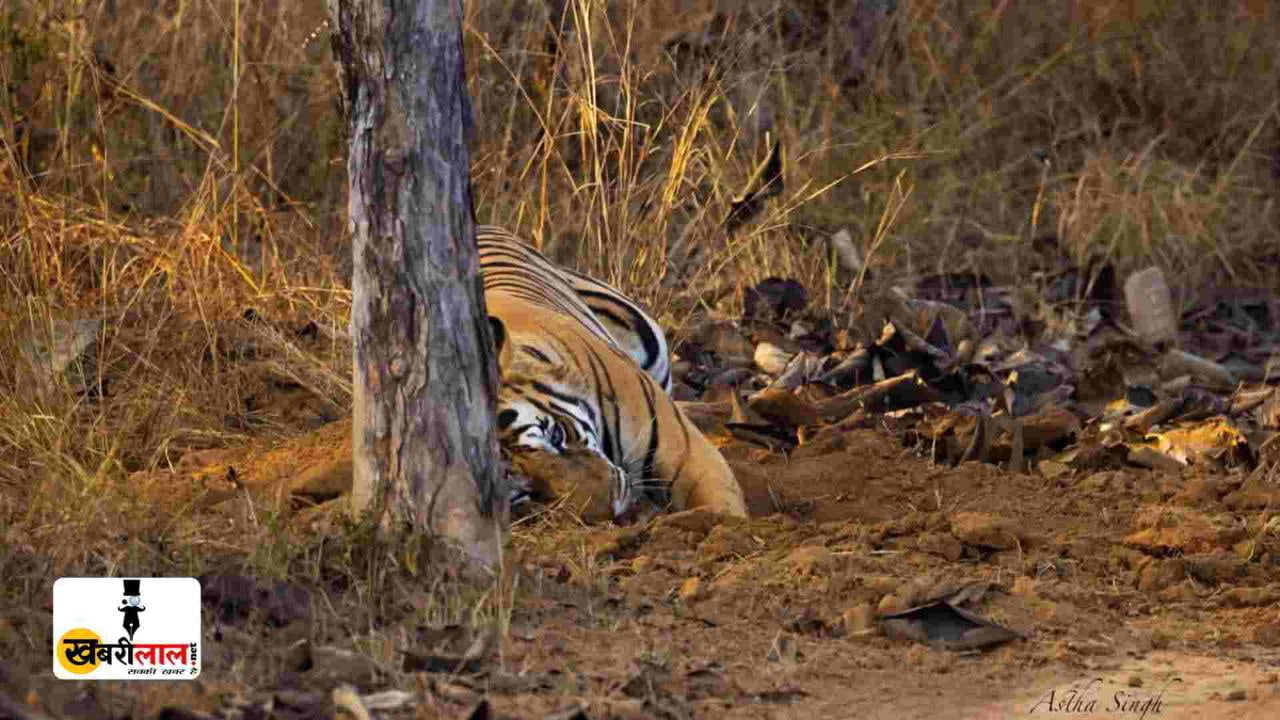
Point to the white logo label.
(126, 628)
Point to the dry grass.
(164, 168)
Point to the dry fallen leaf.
(784, 408)
(1187, 443)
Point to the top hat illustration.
(131, 606)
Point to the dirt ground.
(1137, 594)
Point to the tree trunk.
(426, 453)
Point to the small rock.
(1165, 528)
(942, 544)
(771, 358)
(1134, 681)
(810, 559)
(1151, 306)
(1237, 695)
(985, 530)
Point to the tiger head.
(541, 408)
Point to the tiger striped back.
(513, 268)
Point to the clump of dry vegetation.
(172, 194)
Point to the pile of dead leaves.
(1051, 378)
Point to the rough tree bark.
(425, 381)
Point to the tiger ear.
(501, 343)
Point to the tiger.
(611, 315)
(583, 366)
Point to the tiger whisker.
(632, 453)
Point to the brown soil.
(1126, 579)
